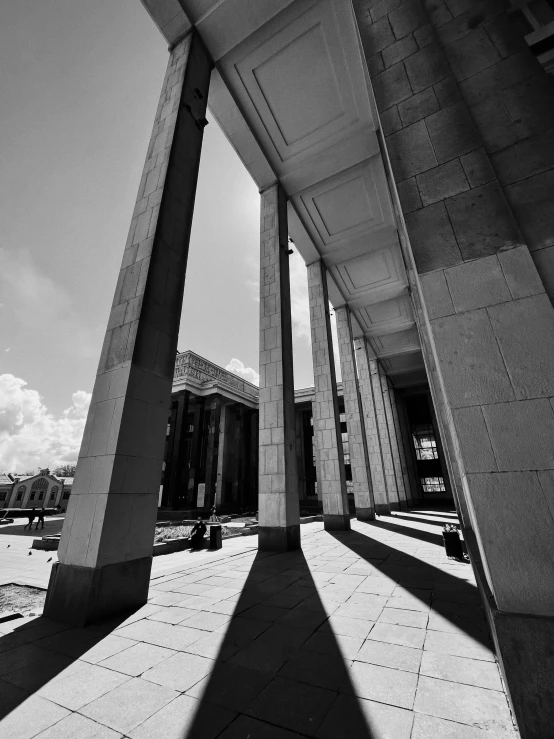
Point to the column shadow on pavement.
(280, 671)
(452, 597)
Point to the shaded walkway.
(371, 634)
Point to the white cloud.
(38, 305)
(247, 373)
(32, 437)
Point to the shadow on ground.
(280, 669)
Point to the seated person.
(197, 534)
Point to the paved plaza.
(372, 633)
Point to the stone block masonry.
(331, 478)
(371, 427)
(279, 515)
(357, 442)
(106, 546)
(468, 126)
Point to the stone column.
(105, 552)
(373, 441)
(331, 478)
(409, 449)
(174, 448)
(212, 452)
(393, 441)
(221, 454)
(383, 430)
(279, 516)
(400, 442)
(195, 454)
(359, 460)
(466, 115)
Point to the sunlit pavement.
(372, 633)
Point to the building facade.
(211, 451)
(407, 150)
(43, 490)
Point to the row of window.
(33, 495)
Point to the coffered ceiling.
(292, 94)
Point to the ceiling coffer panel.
(396, 343)
(388, 315)
(298, 81)
(372, 277)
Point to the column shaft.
(331, 478)
(221, 451)
(359, 460)
(212, 452)
(383, 430)
(105, 552)
(393, 441)
(195, 456)
(278, 494)
(374, 451)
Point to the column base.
(394, 506)
(382, 509)
(525, 652)
(279, 538)
(365, 514)
(83, 595)
(336, 523)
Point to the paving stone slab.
(382, 684)
(356, 718)
(137, 659)
(390, 655)
(462, 703)
(129, 705)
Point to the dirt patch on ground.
(21, 598)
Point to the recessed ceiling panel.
(297, 79)
(395, 343)
(314, 100)
(388, 314)
(372, 277)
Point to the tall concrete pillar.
(409, 449)
(212, 452)
(221, 453)
(383, 431)
(357, 442)
(195, 456)
(279, 515)
(331, 478)
(400, 445)
(395, 451)
(105, 552)
(373, 441)
(467, 123)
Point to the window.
(66, 495)
(41, 495)
(54, 492)
(20, 492)
(3, 496)
(433, 484)
(424, 442)
(32, 496)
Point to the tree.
(65, 470)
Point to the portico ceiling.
(292, 94)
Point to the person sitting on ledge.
(197, 534)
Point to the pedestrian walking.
(31, 517)
(40, 519)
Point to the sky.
(79, 88)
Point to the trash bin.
(452, 543)
(215, 536)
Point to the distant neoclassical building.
(43, 490)
(211, 449)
